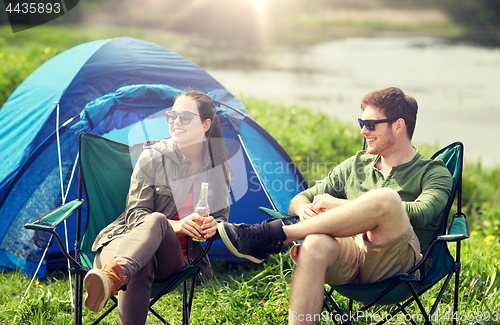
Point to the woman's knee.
(157, 220)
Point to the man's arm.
(436, 188)
(312, 202)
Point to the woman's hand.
(209, 227)
(189, 227)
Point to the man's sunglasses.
(185, 117)
(370, 124)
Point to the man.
(381, 208)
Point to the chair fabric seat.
(174, 280)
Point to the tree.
(480, 17)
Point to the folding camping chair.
(403, 289)
(105, 171)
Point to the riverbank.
(256, 25)
(331, 24)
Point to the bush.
(17, 63)
(480, 17)
(315, 141)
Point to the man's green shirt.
(424, 186)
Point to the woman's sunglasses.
(185, 117)
(370, 124)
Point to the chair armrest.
(451, 238)
(49, 221)
(278, 215)
(286, 219)
(458, 230)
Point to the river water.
(457, 86)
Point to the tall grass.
(258, 294)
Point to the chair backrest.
(452, 156)
(106, 169)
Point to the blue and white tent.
(95, 87)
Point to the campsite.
(240, 293)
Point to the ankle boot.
(102, 284)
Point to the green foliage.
(481, 18)
(481, 198)
(22, 53)
(474, 13)
(315, 141)
(17, 63)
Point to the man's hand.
(305, 211)
(301, 206)
(323, 202)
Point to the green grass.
(258, 294)
(251, 294)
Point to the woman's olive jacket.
(161, 182)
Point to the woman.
(152, 239)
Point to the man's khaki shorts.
(361, 262)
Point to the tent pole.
(78, 275)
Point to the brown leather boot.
(102, 284)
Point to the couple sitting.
(379, 210)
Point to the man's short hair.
(393, 103)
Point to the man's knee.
(384, 197)
(319, 250)
(386, 201)
(392, 219)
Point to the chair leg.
(187, 300)
(455, 301)
(409, 317)
(106, 313)
(154, 312)
(399, 309)
(419, 304)
(78, 298)
(185, 313)
(458, 266)
(329, 299)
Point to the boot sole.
(97, 288)
(230, 246)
